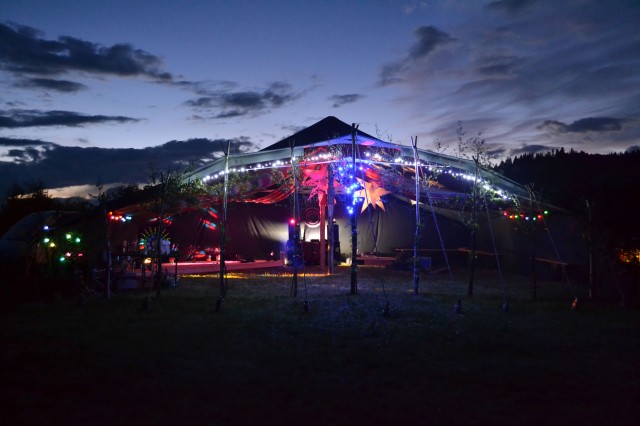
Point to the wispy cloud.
(589, 124)
(429, 39)
(227, 102)
(23, 142)
(63, 86)
(339, 100)
(534, 74)
(19, 118)
(25, 51)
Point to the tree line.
(603, 186)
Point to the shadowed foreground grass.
(262, 360)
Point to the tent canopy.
(330, 140)
(260, 185)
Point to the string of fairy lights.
(65, 247)
(519, 215)
(345, 175)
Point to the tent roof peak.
(326, 129)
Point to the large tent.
(381, 192)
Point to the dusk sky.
(93, 79)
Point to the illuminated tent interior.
(382, 193)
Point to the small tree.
(474, 148)
(103, 199)
(174, 193)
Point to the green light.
(46, 240)
(62, 259)
(68, 236)
(546, 212)
(77, 239)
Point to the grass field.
(263, 360)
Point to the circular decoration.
(312, 217)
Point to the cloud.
(23, 142)
(590, 124)
(23, 50)
(429, 39)
(520, 73)
(59, 166)
(497, 65)
(19, 118)
(530, 149)
(63, 86)
(227, 103)
(391, 73)
(510, 7)
(339, 100)
(25, 154)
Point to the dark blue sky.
(530, 75)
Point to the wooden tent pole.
(331, 192)
(416, 260)
(323, 239)
(532, 231)
(296, 236)
(223, 231)
(354, 219)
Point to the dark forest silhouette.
(609, 183)
(603, 192)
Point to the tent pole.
(296, 237)
(354, 221)
(107, 289)
(323, 239)
(330, 200)
(416, 263)
(223, 231)
(532, 231)
(590, 248)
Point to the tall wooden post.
(416, 259)
(590, 248)
(158, 260)
(331, 193)
(532, 230)
(296, 237)
(107, 288)
(223, 231)
(474, 226)
(323, 240)
(354, 218)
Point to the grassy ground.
(262, 360)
